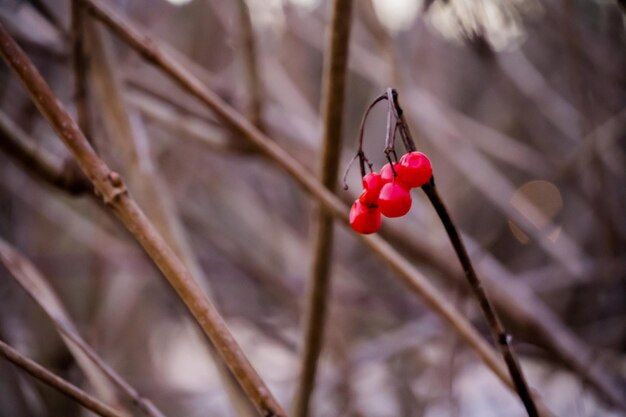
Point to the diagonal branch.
(80, 67)
(110, 186)
(253, 81)
(57, 382)
(130, 145)
(336, 63)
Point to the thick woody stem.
(111, 188)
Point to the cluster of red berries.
(387, 193)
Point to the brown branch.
(40, 163)
(253, 81)
(57, 382)
(150, 50)
(80, 67)
(111, 188)
(501, 337)
(48, 15)
(334, 80)
(33, 282)
(151, 191)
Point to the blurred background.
(515, 102)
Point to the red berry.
(386, 174)
(415, 169)
(363, 219)
(394, 200)
(372, 183)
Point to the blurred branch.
(149, 49)
(40, 163)
(80, 67)
(33, 282)
(127, 137)
(253, 81)
(334, 80)
(112, 189)
(45, 11)
(559, 112)
(176, 121)
(57, 382)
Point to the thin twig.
(80, 67)
(47, 14)
(334, 80)
(131, 147)
(57, 382)
(112, 189)
(40, 163)
(253, 81)
(501, 337)
(149, 48)
(33, 282)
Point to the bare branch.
(39, 163)
(334, 80)
(80, 66)
(112, 189)
(33, 282)
(57, 382)
(253, 81)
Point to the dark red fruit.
(415, 169)
(363, 219)
(372, 183)
(394, 200)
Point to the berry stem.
(500, 335)
(502, 338)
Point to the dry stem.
(253, 81)
(57, 382)
(33, 282)
(111, 188)
(338, 36)
(40, 163)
